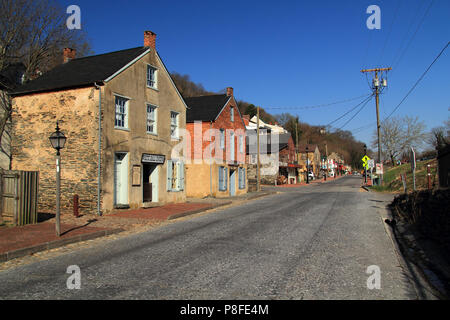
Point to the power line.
(390, 30)
(415, 32)
(320, 105)
(366, 99)
(417, 82)
(360, 109)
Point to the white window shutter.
(180, 175)
(169, 175)
(226, 179)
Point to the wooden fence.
(19, 197)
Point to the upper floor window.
(174, 117)
(121, 120)
(151, 118)
(232, 114)
(241, 144)
(222, 138)
(152, 77)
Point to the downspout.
(99, 185)
(210, 162)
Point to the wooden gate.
(19, 196)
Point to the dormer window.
(152, 77)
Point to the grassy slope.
(393, 183)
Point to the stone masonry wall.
(34, 119)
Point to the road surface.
(312, 242)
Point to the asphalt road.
(312, 242)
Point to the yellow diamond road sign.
(365, 159)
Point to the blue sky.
(287, 54)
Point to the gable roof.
(205, 108)
(82, 71)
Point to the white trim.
(170, 78)
(156, 76)
(223, 108)
(126, 66)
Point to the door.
(232, 182)
(121, 178)
(232, 146)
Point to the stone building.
(118, 160)
(217, 165)
(313, 157)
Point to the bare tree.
(32, 33)
(398, 135)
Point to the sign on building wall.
(153, 158)
(136, 176)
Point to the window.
(223, 178)
(121, 120)
(151, 118)
(151, 76)
(175, 175)
(222, 138)
(232, 114)
(241, 144)
(174, 124)
(241, 172)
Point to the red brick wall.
(288, 154)
(222, 122)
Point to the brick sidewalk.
(24, 240)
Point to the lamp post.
(58, 140)
(307, 165)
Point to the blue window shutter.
(220, 178)
(181, 171)
(225, 187)
(169, 175)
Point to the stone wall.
(34, 119)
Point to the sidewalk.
(20, 241)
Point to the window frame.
(222, 138)
(125, 114)
(155, 119)
(232, 114)
(147, 79)
(177, 125)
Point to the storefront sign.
(153, 158)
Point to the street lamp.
(58, 140)
(307, 165)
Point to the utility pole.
(376, 88)
(258, 178)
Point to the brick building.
(217, 146)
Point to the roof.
(82, 71)
(311, 148)
(11, 76)
(283, 140)
(205, 108)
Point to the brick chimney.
(68, 54)
(246, 118)
(229, 91)
(150, 39)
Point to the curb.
(187, 213)
(417, 279)
(261, 195)
(55, 244)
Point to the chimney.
(150, 39)
(246, 118)
(229, 91)
(68, 54)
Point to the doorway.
(150, 175)
(232, 182)
(121, 178)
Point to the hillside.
(393, 183)
(341, 142)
